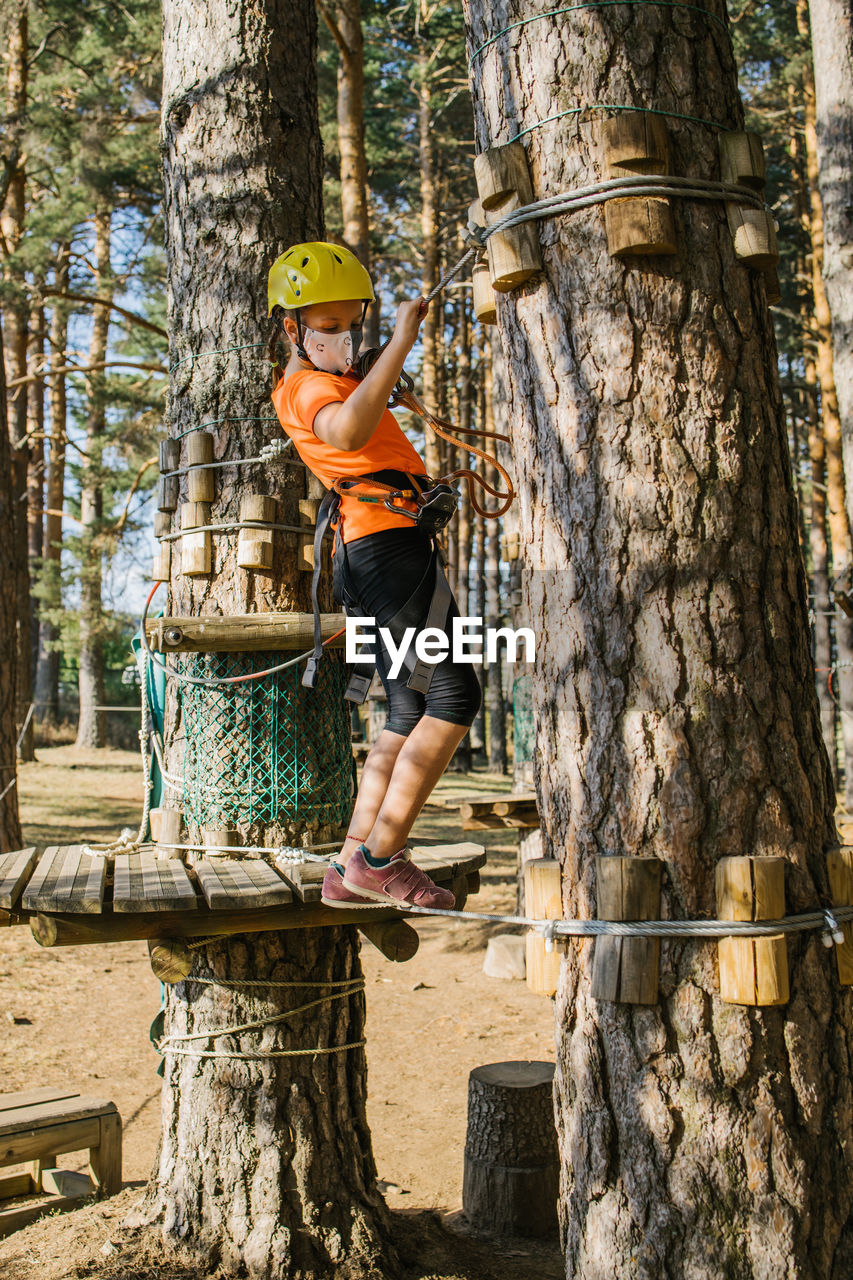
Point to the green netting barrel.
(269, 750)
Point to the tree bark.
(10, 825)
(47, 675)
(91, 725)
(674, 694)
(832, 51)
(265, 1168)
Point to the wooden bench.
(35, 1127)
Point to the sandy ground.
(429, 1022)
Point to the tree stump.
(511, 1175)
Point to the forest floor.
(80, 1017)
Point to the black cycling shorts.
(380, 572)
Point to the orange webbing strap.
(447, 431)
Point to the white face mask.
(332, 352)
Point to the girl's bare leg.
(372, 786)
(417, 762)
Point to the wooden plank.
(13, 1219)
(242, 887)
(178, 890)
(272, 887)
(55, 897)
(47, 894)
(243, 632)
(22, 1145)
(242, 883)
(138, 886)
(151, 887)
(52, 1111)
(15, 870)
(16, 1184)
(40, 877)
(31, 1097)
(216, 885)
(121, 882)
(89, 885)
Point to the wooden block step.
(144, 882)
(230, 884)
(15, 870)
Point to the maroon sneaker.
(333, 893)
(398, 881)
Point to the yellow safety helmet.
(317, 271)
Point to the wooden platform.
(69, 897)
(503, 809)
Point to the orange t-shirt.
(297, 400)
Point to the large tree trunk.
(832, 49)
(10, 826)
(91, 725)
(674, 694)
(47, 675)
(265, 1167)
(16, 316)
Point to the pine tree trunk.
(494, 694)
(265, 1168)
(344, 20)
(832, 51)
(461, 759)
(839, 525)
(35, 477)
(429, 247)
(10, 826)
(91, 725)
(477, 601)
(674, 694)
(16, 317)
(822, 602)
(47, 676)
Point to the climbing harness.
(434, 508)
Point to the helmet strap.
(300, 349)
